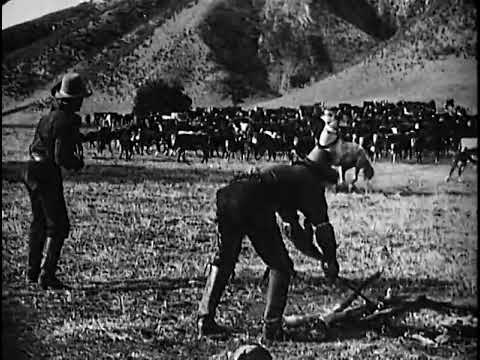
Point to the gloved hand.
(331, 270)
(79, 163)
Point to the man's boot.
(36, 242)
(47, 278)
(216, 282)
(276, 302)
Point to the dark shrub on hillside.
(159, 96)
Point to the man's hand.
(79, 163)
(331, 270)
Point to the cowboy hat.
(72, 86)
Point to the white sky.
(18, 11)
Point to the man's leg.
(36, 237)
(219, 273)
(58, 227)
(268, 243)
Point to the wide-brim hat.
(72, 86)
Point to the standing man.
(247, 206)
(55, 144)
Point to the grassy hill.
(245, 49)
(434, 57)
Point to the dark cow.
(104, 140)
(378, 147)
(268, 142)
(217, 140)
(90, 137)
(127, 142)
(399, 146)
(148, 137)
(236, 144)
(190, 140)
(427, 141)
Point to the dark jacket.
(55, 139)
(285, 189)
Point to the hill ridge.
(277, 45)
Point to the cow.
(182, 140)
(127, 142)
(236, 144)
(399, 145)
(90, 137)
(427, 141)
(378, 145)
(217, 142)
(148, 137)
(104, 140)
(265, 141)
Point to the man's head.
(71, 91)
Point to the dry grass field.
(143, 232)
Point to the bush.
(159, 96)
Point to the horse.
(347, 155)
(467, 151)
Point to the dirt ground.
(143, 232)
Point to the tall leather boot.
(36, 242)
(216, 282)
(47, 278)
(276, 302)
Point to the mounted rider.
(248, 206)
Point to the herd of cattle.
(403, 130)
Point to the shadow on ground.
(302, 283)
(124, 174)
(246, 279)
(185, 173)
(405, 191)
(18, 341)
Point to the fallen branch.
(388, 308)
(328, 320)
(338, 314)
(398, 307)
(358, 291)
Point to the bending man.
(247, 206)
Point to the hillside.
(433, 80)
(434, 57)
(236, 49)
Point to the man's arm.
(302, 238)
(66, 136)
(65, 155)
